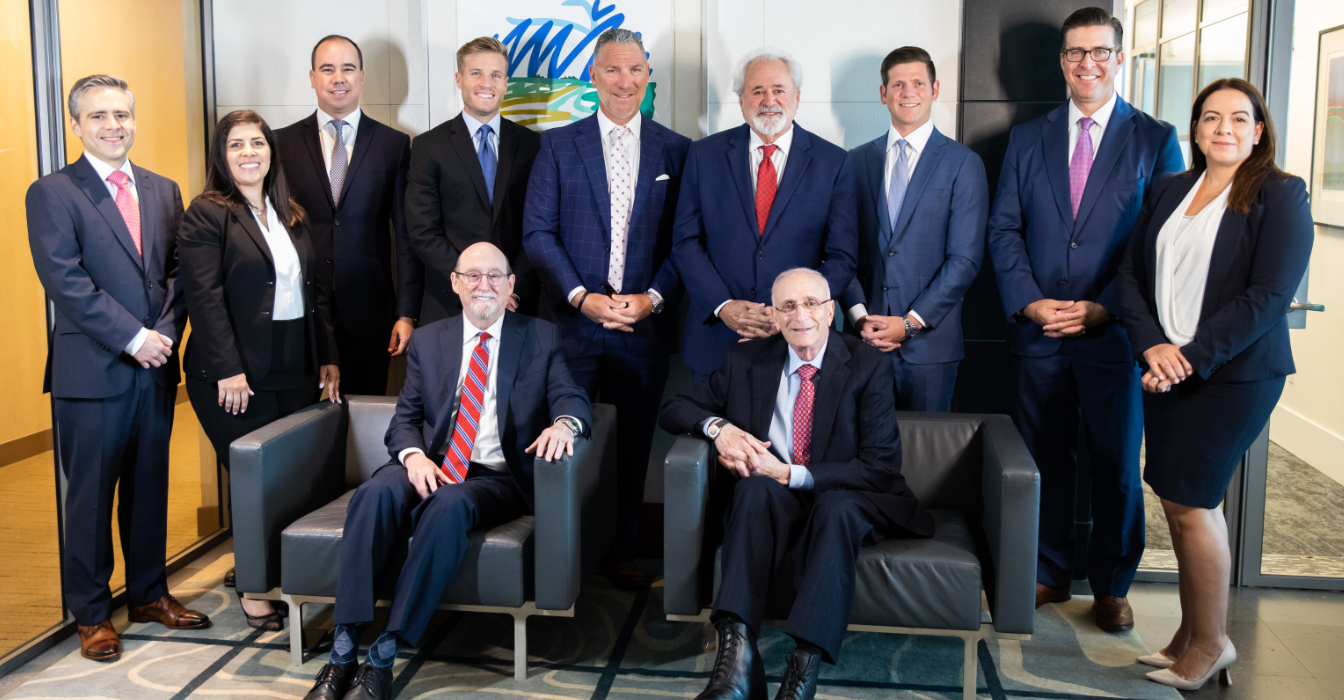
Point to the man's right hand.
(1049, 312)
(425, 475)
(749, 319)
(607, 312)
(154, 351)
(739, 451)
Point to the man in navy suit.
(598, 227)
(1072, 185)
(923, 201)
(348, 171)
(759, 199)
(103, 233)
(479, 388)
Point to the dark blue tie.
(488, 161)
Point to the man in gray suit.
(103, 233)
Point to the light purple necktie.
(1081, 164)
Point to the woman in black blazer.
(1204, 288)
(260, 328)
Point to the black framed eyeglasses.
(1098, 55)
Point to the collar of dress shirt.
(916, 141)
(795, 362)
(1101, 116)
(474, 125)
(470, 331)
(785, 141)
(323, 119)
(103, 169)
(606, 125)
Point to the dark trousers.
(634, 385)
(364, 362)
(263, 408)
(766, 522)
(102, 442)
(385, 511)
(924, 387)
(1054, 394)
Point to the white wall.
(1309, 420)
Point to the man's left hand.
(1092, 314)
(401, 336)
(638, 305)
(553, 442)
(771, 466)
(886, 333)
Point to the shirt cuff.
(401, 456)
(857, 312)
(919, 318)
(573, 293)
(800, 478)
(704, 425)
(719, 308)
(139, 339)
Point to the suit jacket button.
(607, 248)
(338, 222)
(150, 286)
(762, 257)
(890, 253)
(328, 261)
(1073, 245)
(753, 291)
(145, 319)
(1064, 281)
(884, 288)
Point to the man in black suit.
(349, 173)
(807, 420)
(103, 233)
(455, 465)
(468, 181)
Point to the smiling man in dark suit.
(348, 171)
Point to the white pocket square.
(661, 178)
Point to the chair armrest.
(574, 501)
(278, 474)
(686, 490)
(1011, 489)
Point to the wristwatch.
(657, 300)
(714, 427)
(911, 330)
(571, 423)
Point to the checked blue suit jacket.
(567, 229)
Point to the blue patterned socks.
(345, 644)
(383, 651)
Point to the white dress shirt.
(474, 128)
(288, 272)
(327, 134)
(1184, 250)
(104, 171)
(914, 145)
(1099, 120)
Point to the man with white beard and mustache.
(757, 200)
(472, 381)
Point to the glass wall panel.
(1145, 23)
(1178, 17)
(1222, 50)
(1176, 87)
(1218, 9)
(1144, 75)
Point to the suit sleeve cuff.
(139, 340)
(917, 317)
(401, 456)
(800, 478)
(857, 312)
(573, 293)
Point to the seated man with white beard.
(479, 388)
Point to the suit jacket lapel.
(460, 136)
(595, 163)
(510, 356)
(450, 366)
(508, 150)
(312, 140)
(875, 154)
(650, 163)
(833, 377)
(241, 213)
(1230, 231)
(107, 206)
(739, 165)
(794, 168)
(1165, 207)
(149, 222)
(1055, 143)
(928, 162)
(363, 142)
(765, 374)
(1113, 142)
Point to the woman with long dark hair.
(261, 332)
(1204, 288)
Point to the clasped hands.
(1065, 319)
(743, 455)
(886, 333)
(749, 319)
(1167, 367)
(617, 312)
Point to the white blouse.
(1184, 249)
(288, 273)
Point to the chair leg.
(295, 628)
(520, 646)
(969, 667)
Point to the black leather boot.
(332, 682)
(738, 671)
(800, 677)
(370, 683)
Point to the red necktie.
(468, 414)
(767, 183)
(126, 205)
(802, 417)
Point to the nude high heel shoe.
(1225, 659)
(1156, 659)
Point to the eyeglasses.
(474, 278)
(789, 308)
(1098, 55)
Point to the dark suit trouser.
(385, 511)
(1053, 395)
(924, 387)
(263, 408)
(102, 441)
(364, 362)
(765, 522)
(634, 385)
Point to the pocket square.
(661, 177)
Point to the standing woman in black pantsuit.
(260, 329)
(1204, 288)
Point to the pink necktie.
(458, 458)
(126, 205)
(802, 417)
(1081, 164)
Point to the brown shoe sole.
(1123, 627)
(100, 659)
(145, 618)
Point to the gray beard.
(482, 309)
(762, 122)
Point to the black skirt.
(291, 363)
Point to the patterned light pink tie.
(802, 417)
(1081, 164)
(622, 198)
(126, 205)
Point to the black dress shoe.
(738, 671)
(800, 677)
(332, 682)
(370, 683)
(231, 579)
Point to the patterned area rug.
(617, 645)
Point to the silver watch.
(714, 428)
(911, 330)
(571, 423)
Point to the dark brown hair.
(908, 54)
(219, 185)
(330, 37)
(1092, 17)
(1257, 166)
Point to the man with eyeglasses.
(806, 421)
(1072, 184)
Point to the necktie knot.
(768, 150)
(485, 131)
(339, 125)
(119, 179)
(807, 372)
(484, 336)
(1086, 123)
(900, 146)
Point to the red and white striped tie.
(468, 421)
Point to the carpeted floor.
(618, 644)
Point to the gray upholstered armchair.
(292, 480)
(971, 472)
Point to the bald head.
(483, 282)
(806, 329)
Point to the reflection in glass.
(1304, 515)
(1222, 50)
(1177, 79)
(1217, 9)
(1144, 72)
(1145, 23)
(1178, 17)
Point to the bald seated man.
(450, 470)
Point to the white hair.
(803, 272)
(766, 53)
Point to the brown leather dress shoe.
(99, 642)
(624, 575)
(1113, 614)
(1046, 594)
(169, 613)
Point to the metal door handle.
(1305, 306)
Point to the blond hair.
(481, 44)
